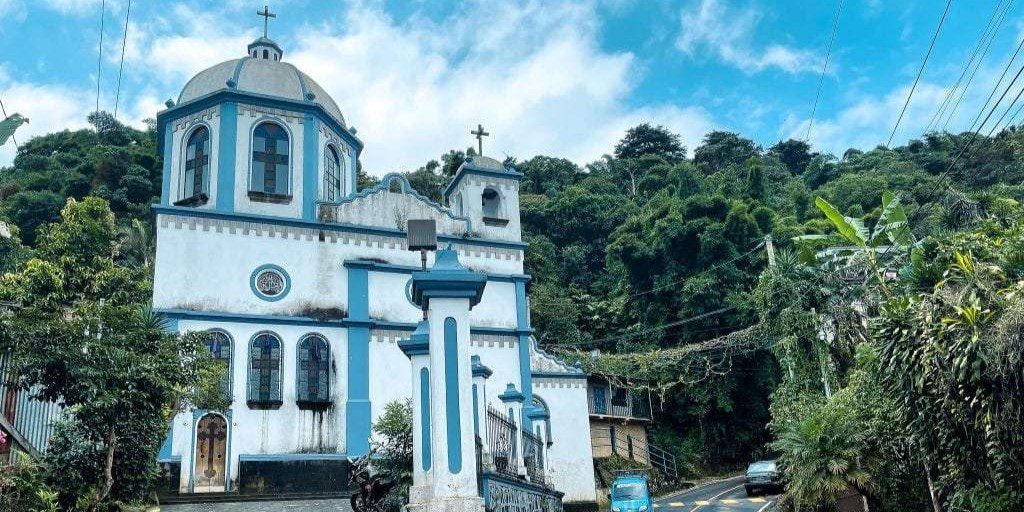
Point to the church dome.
(261, 72)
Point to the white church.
(302, 284)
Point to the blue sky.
(556, 78)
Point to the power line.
(920, 71)
(824, 67)
(995, 88)
(977, 66)
(939, 113)
(124, 42)
(99, 60)
(650, 329)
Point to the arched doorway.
(210, 454)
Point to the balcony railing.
(513, 449)
(620, 403)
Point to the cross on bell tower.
(266, 18)
(480, 134)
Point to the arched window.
(539, 403)
(197, 163)
(266, 54)
(491, 208)
(312, 372)
(270, 153)
(219, 345)
(332, 175)
(265, 371)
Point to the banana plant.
(853, 244)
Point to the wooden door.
(211, 454)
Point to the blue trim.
(418, 343)
(227, 145)
(447, 279)
(340, 227)
(238, 71)
(165, 449)
(476, 411)
(173, 458)
(268, 298)
(523, 322)
(168, 136)
(478, 369)
(260, 100)
(451, 395)
(425, 441)
(213, 316)
(260, 457)
(174, 315)
(409, 269)
(551, 375)
(302, 81)
(310, 161)
(357, 410)
(511, 394)
(466, 171)
(283, 124)
(385, 185)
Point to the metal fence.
(607, 400)
(501, 439)
(533, 457)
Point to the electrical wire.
(977, 66)
(120, 69)
(995, 88)
(99, 60)
(935, 36)
(650, 329)
(985, 35)
(824, 67)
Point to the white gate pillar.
(447, 292)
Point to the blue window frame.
(270, 159)
(265, 371)
(219, 345)
(332, 175)
(196, 178)
(312, 373)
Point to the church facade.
(300, 284)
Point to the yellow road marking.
(730, 502)
(677, 504)
(756, 500)
(701, 503)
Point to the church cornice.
(336, 227)
(228, 95)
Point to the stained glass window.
(197, 163)
(313, 377)
(265, 370)
(270, 159)
(219, 345)
(332, 175)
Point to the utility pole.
(769, 246)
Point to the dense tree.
(647, 140)
(795, 154)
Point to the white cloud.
(416, 88)
(48, 107)
(79, 7)
(712, 26)
(866, 121)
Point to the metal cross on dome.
(266, 18)
(480, 134)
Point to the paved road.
(721, 496)
(333, 505)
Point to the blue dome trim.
(238, 71)
(302, 83)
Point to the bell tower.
(487, 193)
